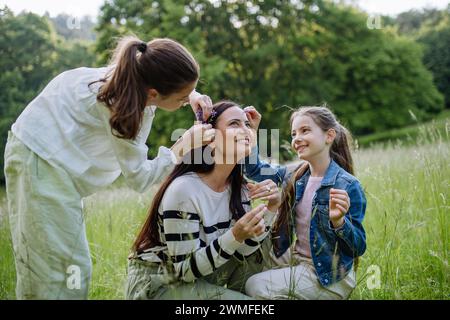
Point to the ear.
(331, 135)
(152, 94)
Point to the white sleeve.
(139, 172)
(250, 246)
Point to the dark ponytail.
(162, 64)
(340, 149)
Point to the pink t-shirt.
(303, 216)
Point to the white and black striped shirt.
(195, 227)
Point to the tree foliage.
(275, 53)
(31, 54)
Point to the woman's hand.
(200, 101)
(250, 224)
(253, 116)
(266, 190)
(338, 206)
(197, 136)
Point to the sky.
(80, 8)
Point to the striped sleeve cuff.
(228, 243)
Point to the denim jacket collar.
(329, 179)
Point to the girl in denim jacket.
(318, 234)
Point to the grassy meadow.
(407, 224)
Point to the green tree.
(412, 21)
(276, 53)
(430, 28)
(73, 28)
(167, 18)
(378, 76)
(31, 55)
(27, 60)
(436, 43)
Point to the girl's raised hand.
(338, 205)
(266, 190)
(201, 101)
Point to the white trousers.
(47, 227)
(294, 277)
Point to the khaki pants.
(294, 277)
(47, 226)
(148, 280)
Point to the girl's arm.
(258, 170)
(350, 231)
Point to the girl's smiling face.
(309, 140)
(233, 136)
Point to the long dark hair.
(149, 235)
(161, 64)
(340, 152)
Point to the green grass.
(407, 219)
(113, 218)
(7, 270)
(407, 224)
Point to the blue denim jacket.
(332, 250)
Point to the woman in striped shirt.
(201, 233)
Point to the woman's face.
(173, 101)
(233, 136)
(308, 139)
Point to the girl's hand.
(253, 116)
(201, 101)
(197, 136)
(250, 224)
(339, 205)
(266, 190)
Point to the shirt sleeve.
(250, 246)
(181, 225)
(139, 172)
